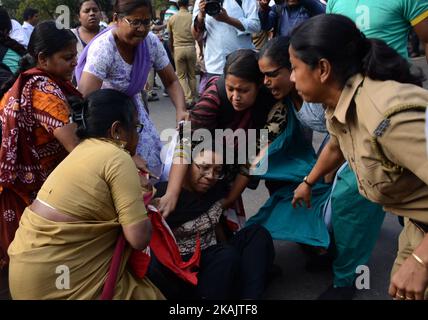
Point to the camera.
(213, 7)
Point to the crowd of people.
(83, 183)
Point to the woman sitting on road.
(237, 101)
(235, 269)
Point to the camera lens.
(212, 7)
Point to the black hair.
(126, 7)
(95, 115)
(29, 13)
(215, 145)
(276, 50)
(46, 38)
(5, 39)
(5, 22)
(183, 3)
(81, 2)
(349, 52)
(243, 64)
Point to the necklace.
(118, 143)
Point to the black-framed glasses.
(274, 73)
(139, 127)
(137, 23)
(205, 170)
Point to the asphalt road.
(296, 283)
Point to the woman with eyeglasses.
(236, 269)
(237, 102)
(121, 57)
(94, 195)
(341, 207)
(287, 157)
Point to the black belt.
(420, 225)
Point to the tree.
(47, 8)
(10, 5)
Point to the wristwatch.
(305, 180)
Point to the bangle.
(419, 260)
(305, 180)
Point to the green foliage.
(47, 7)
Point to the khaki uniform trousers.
(185, 64)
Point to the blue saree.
(291, 157)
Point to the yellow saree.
(70, 260)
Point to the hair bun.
(27, 62)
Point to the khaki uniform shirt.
(179, 26)
(384, 142)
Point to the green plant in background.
(47, 8)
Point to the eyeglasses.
(205, 170)
(137, 23)
(139, 127)
(272, 74)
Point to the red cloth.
(110, 284)
(164, 246)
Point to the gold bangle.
(419, 260)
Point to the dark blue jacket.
(283, 18)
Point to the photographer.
(228, 25)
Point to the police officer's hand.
(409, 282)
(202, 13)
(302, 193)
(222, 16)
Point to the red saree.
(30, 111)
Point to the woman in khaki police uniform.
(374, 112)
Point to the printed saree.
(30, 112)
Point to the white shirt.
(17, 33)
(222, 38)
(28, 28)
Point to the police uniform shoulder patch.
(383, 125)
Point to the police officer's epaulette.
(383, 125)
(380, 130)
